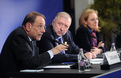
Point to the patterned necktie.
(33, 49)
(60, 40)
(94, 41)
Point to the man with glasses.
(19, 51)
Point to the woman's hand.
(90, 55)
(96, 50)
(101, 44)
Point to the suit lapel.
(89, 37)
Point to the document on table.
(32, 70)
(96, 60)
(57, 66)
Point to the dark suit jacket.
(17, 53)
(83, 38)
(46, 44)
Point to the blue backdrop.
(12, 13)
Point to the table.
(61, 73)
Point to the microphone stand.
(116, 33)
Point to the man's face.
(37, 28)
(61, 25)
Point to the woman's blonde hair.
(84, 16)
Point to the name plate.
(112, 57)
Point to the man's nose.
(62, 27)
(43, 30)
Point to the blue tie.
(33, 49)
(60, 40)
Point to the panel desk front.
(61, 73)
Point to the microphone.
(52, 40)
(56, 41)
(115, 32)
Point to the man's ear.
(28, 26)
(53, 22)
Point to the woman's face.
(92, 21)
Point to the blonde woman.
(87, 35)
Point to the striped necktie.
(33, 49)
(60, 40)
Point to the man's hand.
(59, 48)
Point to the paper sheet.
(96, 60)
(29, 70)
(58, 66)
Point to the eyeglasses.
(40, 26)
(94, 19)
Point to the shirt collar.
(29, 38)
(90, 30)
(59, 37)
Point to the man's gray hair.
(63, 14)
